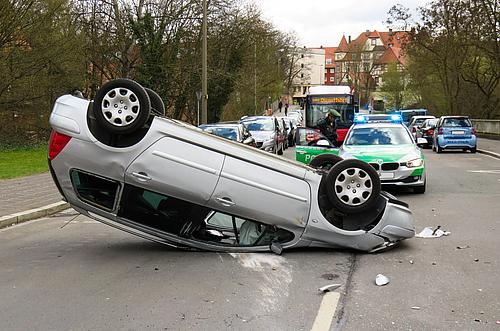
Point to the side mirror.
(249, 140)
(323, 143)
(421, 141)
(276, 248)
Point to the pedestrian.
(286, 109)
(280, 105)
(328, 126)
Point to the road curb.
(32, 214)
(492, 154)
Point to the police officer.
(328, 126)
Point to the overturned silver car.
(118, 160)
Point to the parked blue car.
(454, 132)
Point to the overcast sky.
(322, 22)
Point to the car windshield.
(225, 132)
(419, 121)
(456, 122)
(430, 122)
(378, 136)
(261, 124)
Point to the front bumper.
(403, 176)
(268, 145)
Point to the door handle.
(225, 202)
(301, 152)
(141, 176)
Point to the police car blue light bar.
(396, 118)
(359, 119)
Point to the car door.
(177, 168)
(260, 193)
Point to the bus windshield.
(316, 112)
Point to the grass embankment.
(17, 162)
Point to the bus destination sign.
(330, 100)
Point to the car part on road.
(122, 106)
(429, 232)
(381, 280)
(329, 288)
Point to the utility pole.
(204, 99)
(255, 77)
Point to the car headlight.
(269, 139)
(415, 163)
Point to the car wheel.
(325, 161)
(420, 189)
(438, 148)
(473, 149)
(352, 186)
(121, 106)
(157, 105)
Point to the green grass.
(23, 162)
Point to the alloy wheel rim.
(353, 186)
(120, 107)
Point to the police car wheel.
(325, 161)
(121, 106)
(352, 186)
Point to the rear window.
(457, 122)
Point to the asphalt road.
(67, 273)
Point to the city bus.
(322, 99)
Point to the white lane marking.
(485, 171)
(326, 311)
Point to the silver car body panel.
(182, 161)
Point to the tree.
(456, 48)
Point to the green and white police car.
(382, 141)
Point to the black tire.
(157, 105)
(132, 106)
(439, 150)
(325, 161)
(365, 180)
(473, 149)
(420, 189)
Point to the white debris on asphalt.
(415, 307)
(429, 232)
(328, 288)
(381, 280)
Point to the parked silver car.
(170, 182)
(266, 132)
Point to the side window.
(234, 231)
(184, 219)
(95, 190)
(161, 212)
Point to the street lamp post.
(204, 88)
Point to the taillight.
(473, 131)
(440, 131)
(430, 132)
(57, 143)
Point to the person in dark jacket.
(328, 126)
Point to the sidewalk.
(27, 198)
(488, 146)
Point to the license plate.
(386, 175)
(457, 132)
